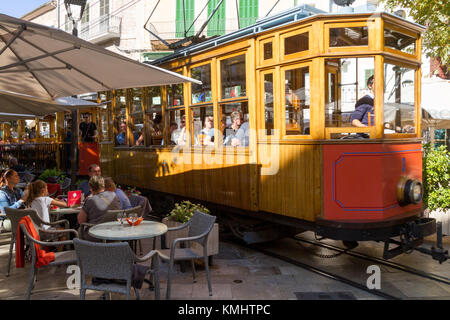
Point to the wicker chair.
(61, 258)
(14, 215)
(137, 200)
(200, 226)
(111, 261)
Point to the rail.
(37, 156)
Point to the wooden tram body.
(341, 188)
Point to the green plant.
(436, 177)
(54, 173)
(184, 211)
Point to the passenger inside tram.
(231, 131)
(122, 136)
(178, 136)
(206, 136)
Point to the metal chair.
(61, 258)
(200, 226)
(65, 185)
(111, 261)
(14, 215)
(137, 200)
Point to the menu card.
(73, 197)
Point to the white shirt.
(42, 204)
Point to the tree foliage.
(436, 177)
(435, 15)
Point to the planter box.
(213, 239)
(444, 217)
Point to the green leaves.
(52, 173)
(436, 177)
(185, 210)
(435, 15)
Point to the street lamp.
(68, 4)
(74, 148)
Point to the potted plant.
(436, 183)
(181, 214)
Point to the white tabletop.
(114, 231)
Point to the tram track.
(318, 271)
(410, 270)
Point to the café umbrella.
(21, 104)
(49, 63)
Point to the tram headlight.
(409, 191)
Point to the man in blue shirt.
(93, 170)
(122, 136)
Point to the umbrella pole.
(74, 147)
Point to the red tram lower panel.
(361, 181)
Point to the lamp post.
(69, 4)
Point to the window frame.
(282, 101)
(359, 49)
(408, 33)
(260, 101)
(292, 33)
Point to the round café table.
(115, 231)
(57, 213)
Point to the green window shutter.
(248, 12)
(216, 26)
(187, 12)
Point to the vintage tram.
(294, 79)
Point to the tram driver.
(364, 109)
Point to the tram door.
(333, 116)
(267, 111)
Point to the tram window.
(297, 43)
(177, 127)
(44, 129)
(137, 117)
(175, 95)
(349, 37)
(203, 126)
(154, 113)
(121, 118)
(201, 92)
(268, 103)
(399, 109)
(234, 124)
(297, 90)
(232, 75)
(268, 51)
(346, 83)
(399, 41)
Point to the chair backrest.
(200, 223)
(110, 215)
(104, 260)
(66, 184)
(113, 213)
(137, 200)
(16, 214)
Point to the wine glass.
(133, 217)
(121, 216)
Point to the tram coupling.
(411, 236)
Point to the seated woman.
(38, 199)
(10, 196)
(230, 132)
(96, 206)
(111, 186)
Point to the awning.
(48, 63)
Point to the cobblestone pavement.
(241, 273)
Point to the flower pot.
(213, 239)
(442, 216)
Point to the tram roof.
(268, 23)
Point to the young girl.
(38, 199)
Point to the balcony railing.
(106, 27)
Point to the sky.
(19, 7)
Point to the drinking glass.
(121, 216)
